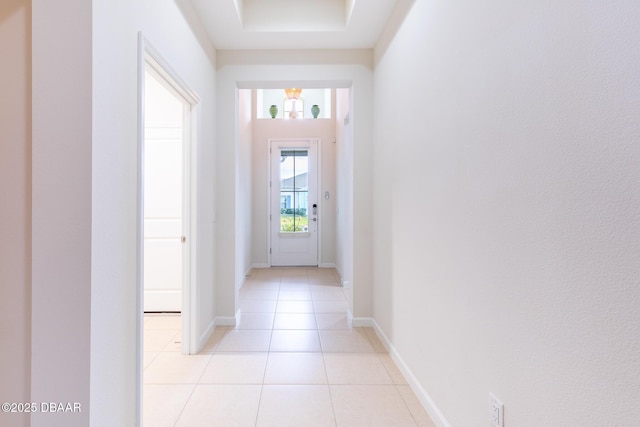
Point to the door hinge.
(269, 217)
(183, 239)
(269, 250)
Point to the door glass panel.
(294, 189)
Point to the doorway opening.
(167, 205)
(279, 195)
(166, 187)
(165, 201)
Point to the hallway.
(292, 360)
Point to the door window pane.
(294, 189)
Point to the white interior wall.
(263, 130)
(240, 68)
(61, 208)
(15, 209)
(244, 180)
(344, 190)
(507, 176)
(113, 281)
(226, 275)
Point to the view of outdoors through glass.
(294, 190)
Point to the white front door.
(294, 211)
(164, 183)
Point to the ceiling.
(294, 24)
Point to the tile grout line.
(333, 409)
(192, 390)
(406, 405)
(186, 402)
(264, 374)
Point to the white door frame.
(272, 142)
(148, 55)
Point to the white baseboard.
(321, 265)
(218, 321)
(259, 265)
(427, 402)
(204, 337)
(362, 322)
(339, 272)
(327, 265)
(225, 321)
(345, 283)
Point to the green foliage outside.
(291, 223)
(297, 211)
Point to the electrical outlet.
(496, 411)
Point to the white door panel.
(162, 228)
(162, 274)
(294, 245)
(166, 273)
(163, 176)
(164, 181)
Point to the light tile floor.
(293, 359)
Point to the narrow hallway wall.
(114, 34)
(507, 177)
(15, 208)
